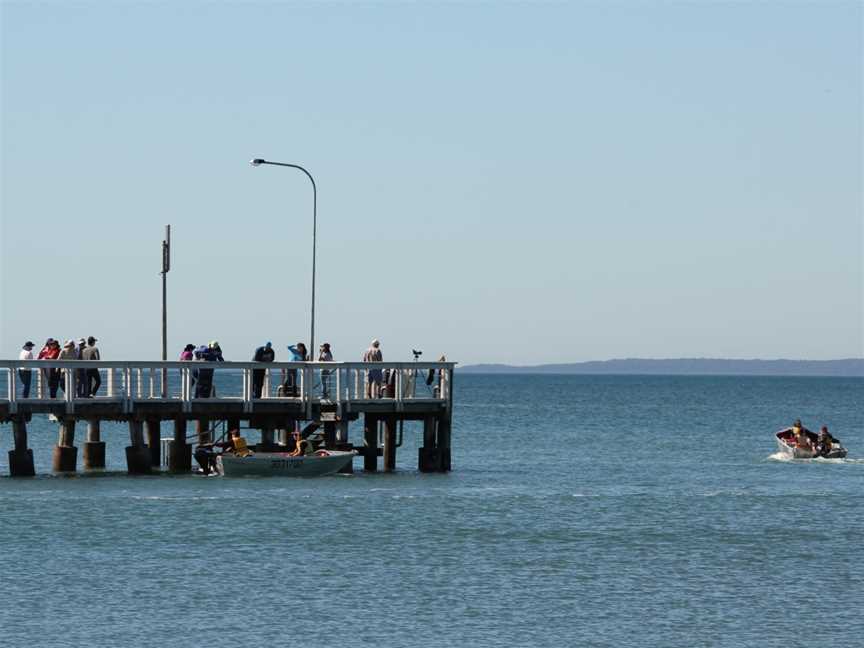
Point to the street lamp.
(258, 162)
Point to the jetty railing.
(125, 382)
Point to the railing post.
(13, 389)
(247, 392)
(307, 389)
(127, 372)
(110, 382)
(397, 384)
(69, 381)
(187, 389)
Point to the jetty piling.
(370, 443)
(154, 441)
(137, 453)
(21, 457)
(65, 455)
(179, 452)
(94, 446)
(144, 394)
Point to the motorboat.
(788, 446)
(321, 462)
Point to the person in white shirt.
(25, 374)
(373, 376)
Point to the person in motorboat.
(799, 436)
(237, 445)
(304, 448)
(825, 442)
(206, 453)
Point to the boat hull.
(265, 464)
(794, 452)
(789, 449)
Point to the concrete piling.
(137, 454)
(428, 456)
(267, 444)
(283, 437)
(20, 457)
(154, 441)
(94, 447)
(179, 452)
(329, 435)
(370, 443)
(389, 444)
(444, 424)
(65, 455)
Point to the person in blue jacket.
(298, 354)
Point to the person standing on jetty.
(94, 378)
(68, 353)
(81, 374)
(209, 353)
(298, 354)
(373, 376)
(25, 374)
(51, 376)
(324, 355)
(187, 353)
(262, 354)
(215, 352)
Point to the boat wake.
(782, 456)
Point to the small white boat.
(788, 446)
(322, 462)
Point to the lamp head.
(257, 162)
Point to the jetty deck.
(292, 395)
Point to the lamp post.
(258, 162)
(166, 266)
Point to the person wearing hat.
(25, 374)
(51, 376)
(204, 377)
(187, 353)
(373, 376)
(262, 354)
(215, 351)
(324, 355)
(67, 353)
(94, 379)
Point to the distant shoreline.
(848, 367)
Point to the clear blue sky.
(515, 183)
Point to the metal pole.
(257, 162)
(166, 266)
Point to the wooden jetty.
(292, 395)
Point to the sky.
(498, 182)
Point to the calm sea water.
(582, 510)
